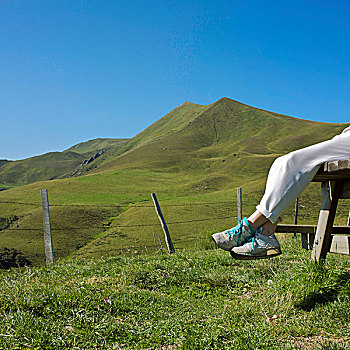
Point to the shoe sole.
(265, 255)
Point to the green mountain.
(53, 165)
(217, 140)
(193, 159)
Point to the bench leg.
(307, 240)
(326, 218)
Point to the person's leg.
(290, 174)
(269, 228)
(257, 219)
(288, 177)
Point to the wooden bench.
(324, 238)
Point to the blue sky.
(71, 71)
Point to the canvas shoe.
(235, 236)
(258, 247)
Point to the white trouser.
(290, 174)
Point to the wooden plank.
(344, 164)
(283, 228)
(307, 233)
(310, 229)
(341, 230)
(337, 165)
(47, 227)
(325, 176)
(340, 245)
(163, 223)
(325, 220)
(339, 169)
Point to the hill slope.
(52, 165)
(216, 140)
(193, 158)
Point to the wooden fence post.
(47, 227)
(168, 241)
(239, 203)
(349, 219)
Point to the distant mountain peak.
(222, 99)
(187, 103)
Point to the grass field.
(87, 220)
(193, 299)
(109, 289)
(193, 158)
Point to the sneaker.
(235, 236)
(258, 247)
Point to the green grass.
(192, 299)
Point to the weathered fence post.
(239, 203)
(47, 227)
(168, 241)
(349, 219)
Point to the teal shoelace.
(236, 231)
(253, 238)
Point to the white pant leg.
(290, 174)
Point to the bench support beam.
(330, 194)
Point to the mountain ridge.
(219, 129)
(271, 112)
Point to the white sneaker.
(235, 236)
(258, 247)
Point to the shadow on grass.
(328, 293)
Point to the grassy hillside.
(96, 145)
(189, 300)
(170, 123)
(224, 131)
(193, 159)
(45, 167)
(52, 165)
